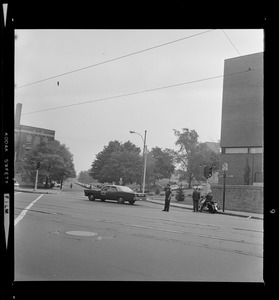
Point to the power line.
(231, 42)
(138, 92)
(113, 59)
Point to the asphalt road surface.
(67, 237)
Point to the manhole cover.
(82, 233)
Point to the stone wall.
(245, 198)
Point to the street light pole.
(253, 151)
(144, 166)
(224, 169)
(144, 153)
(224, 189)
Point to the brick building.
(26, 137)
(242, 118)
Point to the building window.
(236, 150)
(45, 139)
(27, 150)
(29, 139)
(256, 150)
(37, 140)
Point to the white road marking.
(25, 210)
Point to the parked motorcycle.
(211, 206)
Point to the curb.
(36, 192)
(220, 212)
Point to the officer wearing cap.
(167, 198)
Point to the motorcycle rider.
(208, 199)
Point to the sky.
(95, 86)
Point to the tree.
(186, 156)
(150, 168)
(117, 161)
(180, 196)
(192, 155)
(84, 177)
(164, 166)
(56, 162)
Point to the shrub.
(180, 194)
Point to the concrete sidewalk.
(247, 215)
(39, 191)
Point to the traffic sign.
(225, 166)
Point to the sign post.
(36, 180)
(224, 169)
(37, 172)
(253, 151)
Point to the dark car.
(118, 193)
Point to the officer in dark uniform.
(196, 197)
(167, 198)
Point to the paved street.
(63, 236)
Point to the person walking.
(196, 197)
(167, 198)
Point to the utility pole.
(17, 129)
(253, 151)
(224, 189)
(144, 153)
(144, 168)
(224, 169)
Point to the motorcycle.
(211, 206)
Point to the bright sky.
(108, 114)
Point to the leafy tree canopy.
(56, 162)
(84, 177)
(117, 161)
(192, 155)
(164, 166)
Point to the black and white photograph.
(105, 120)
(138, 155)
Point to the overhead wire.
(138, 92)
(231, 43)
(113, 59)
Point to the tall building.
(242, 119)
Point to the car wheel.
(91, 198)
(121, 200)
(132, 202)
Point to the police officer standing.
(167, 198)
(196, 197)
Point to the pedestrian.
(196, 197)
(167, 198)
(71, 185)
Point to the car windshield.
(125, 189)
